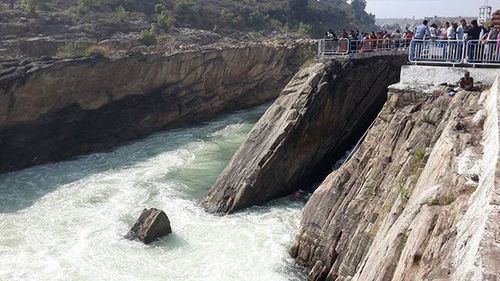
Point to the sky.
(429, 8)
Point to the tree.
(361, 16)
(12, 2)
(298, 8)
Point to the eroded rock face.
(320, 112)
(52, 110)
(393, 211)
(151, 225)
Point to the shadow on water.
(21, 189)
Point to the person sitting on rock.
(467, 82)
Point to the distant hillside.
(305, 17)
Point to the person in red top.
(408, 37)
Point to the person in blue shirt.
(423, 31)
(461, 30)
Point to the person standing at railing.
(408, 36)
(452, 48)
(422, 32)
(396, 38)
(433, 31)
(473, 34)
(461, 29)
(489, 43)
(443, 30)
(451, 33)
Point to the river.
(67, 220)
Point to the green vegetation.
(442, 201)
(298, 8)
(304, 29)
(403, 192)
(82, 49)
(73, 49)
(34, 5)
(299, 16)
(148, 37)
(163, 18)
(122, 14)
(419, 155)
(84, 6)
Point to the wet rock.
(151, 225)
(319, 113)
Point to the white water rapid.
(66, 221)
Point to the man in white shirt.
(461, 30)
(451, 33)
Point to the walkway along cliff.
(51, 110)
(325, 108)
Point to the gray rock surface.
(151, 225)
(394, 211)
(53, 109)
(321, 110)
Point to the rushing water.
(66, 221)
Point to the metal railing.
(344, 46)
(331, 47)
(455, 52)
(482, 52)
(437, 51)
(448, 52)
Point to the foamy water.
(66, 221)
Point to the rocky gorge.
(417, 198)
(54, 109)
(323, 110)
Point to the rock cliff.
(51, 110)
(323, 109)
(417, 200)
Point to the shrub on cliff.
(164, 19)
(229, 19)
(121, 14)
(84, 6)
(73, 49)
(82, 49)
(148, 37)
(187, 11)
(304, 29)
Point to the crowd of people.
(454, 31)
(448, 31)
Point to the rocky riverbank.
(54, 109)
(402, 208)
(324, 109)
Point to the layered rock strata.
(418, 200)
(52, 110)
(321, 111)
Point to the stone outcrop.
(323, 109)
(151, 225)
(415, 201)
(51, 110)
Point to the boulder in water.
(151, 225)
